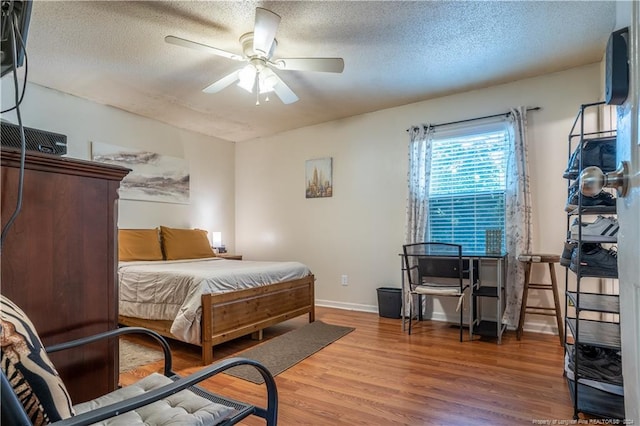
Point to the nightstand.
(230, 256)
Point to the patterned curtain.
(418, 179)
(518, 212)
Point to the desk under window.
(482, 289)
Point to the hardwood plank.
(378, 375)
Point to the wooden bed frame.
(226, 316)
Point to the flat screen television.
(18, 12)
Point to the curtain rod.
(478, 118)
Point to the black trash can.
(389, 302)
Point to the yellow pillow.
(185, 243)
(139, 244)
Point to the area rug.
(282, 352)
(133, 355)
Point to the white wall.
(360, 230)
(210, 160)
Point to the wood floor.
(378, 375)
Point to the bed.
(209, 300)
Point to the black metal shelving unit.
(497, 295)
(595, 395)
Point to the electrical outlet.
(345, 280)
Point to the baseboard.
(347, 306)
(530, 326)
(436, 316)
(540, 327)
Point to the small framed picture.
(319, 181)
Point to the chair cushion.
(29, 369)
(181, 409)
(437, 290)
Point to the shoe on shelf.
(595, 261)
(603, 199)
(600, 152)
(603, 229)
(565, 258)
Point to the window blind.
(467, 187)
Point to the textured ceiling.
(395, 53)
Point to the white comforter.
(171, 290)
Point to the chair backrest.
(432, 260)
(27, 372)
(443, 268)
(12, 412)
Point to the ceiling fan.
(258, 48)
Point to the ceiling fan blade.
(225, 81)
(283, 91)
(203, 47)
(264, 31)
(311, 64)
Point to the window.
(468, 184)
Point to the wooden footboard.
(248, 311)
(226, 316)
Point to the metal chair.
(435, 269)
(32, 392)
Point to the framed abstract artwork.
(153, 177)
(319, 181)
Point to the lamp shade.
(216, 239)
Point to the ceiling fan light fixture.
(258, 47)
(247, 78)
(267, 80)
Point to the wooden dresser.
(58, 260)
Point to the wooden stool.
(530, 259)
